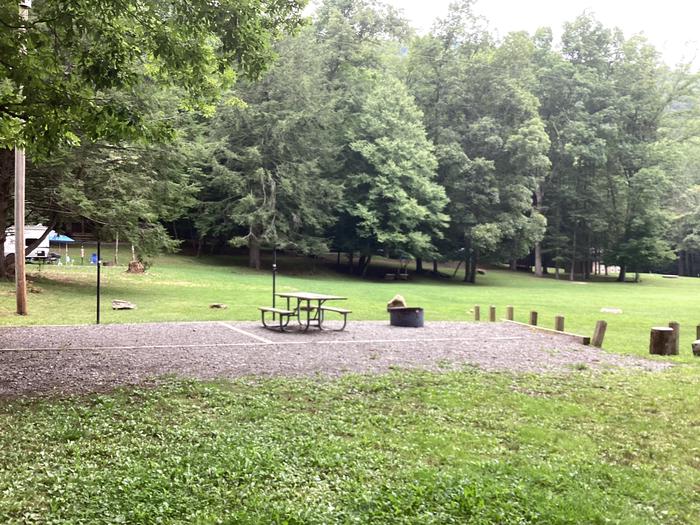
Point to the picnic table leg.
(320, 315)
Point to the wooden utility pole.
(20, 163)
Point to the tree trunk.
(7, 171)
(681, 263)
(473, 261)
(368, 260)
(361, 264)
(37, 242)
(435, 267)
(539, 272)
(572, 274)
(539, 197)
(253, 252)
(623, 274)
(419, 265)
(467, 258)
(513, 265)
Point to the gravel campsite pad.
(61, 360)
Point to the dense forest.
(349, 132)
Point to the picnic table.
(298, 303)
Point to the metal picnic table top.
(310, 296)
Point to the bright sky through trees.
(671, 26)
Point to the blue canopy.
(60, 238)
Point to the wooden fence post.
(510, 311)
(477, 313)
(559, 323)
(676, 336)
(599, 333)
(492, 314)
(533, 318)
(661, 340)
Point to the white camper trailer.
(31, 234)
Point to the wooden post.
(696, 348)
(477, 313)
(509, 313)
(697, 332)
(492, 313)
(599, 333)
(559, 323)
(533, 318)
(661, 340)
(676, 336)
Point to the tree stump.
(696, 348)
(136, 267)
(661, 341)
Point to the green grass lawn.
(407, 447)
(418, 448)
(181, 288)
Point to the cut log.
(676, 336)
(118, 304)
(136, 267)
(661, 340)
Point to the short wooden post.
(477, 313)
(697, 332)
(492, 314)
(559, 323)
(510, 316)
(599, 333)
(695, 345)
(533, 318)
(661, 340)
(676, 336)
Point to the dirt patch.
(83, 359)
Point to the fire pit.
(406, 316)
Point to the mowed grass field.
(464, 447)
(179, 288)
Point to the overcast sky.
(671, 25)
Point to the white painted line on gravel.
(268, 343)
(236, 329)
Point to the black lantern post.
(274, 277)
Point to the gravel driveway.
(62, 360)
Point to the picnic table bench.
(315, 313)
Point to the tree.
(491, 145)
(64, 73)
(267, 184)
(391, 201)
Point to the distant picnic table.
(298, 303)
